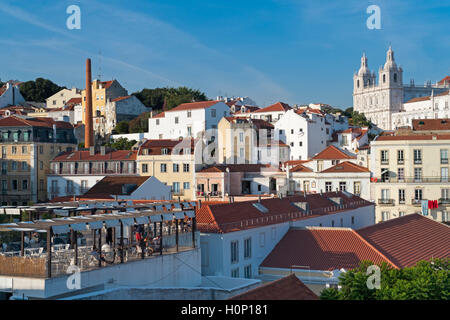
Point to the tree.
(359, 119)
(139, 124)
(154, 98)
(38, 90)
(121, 144)
(122, 127)
(427, 280)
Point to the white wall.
(7, 97)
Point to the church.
(389, 103)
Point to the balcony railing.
(385, 161)
(412, 180)
(444, 161)
(444, 201)
(400, 161)
(389, 202)
(416, 202)
(417, 161)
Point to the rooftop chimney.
(88, 133)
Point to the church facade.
(383, 101)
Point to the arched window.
(384, 78)
(395, 77)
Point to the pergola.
(125, 214)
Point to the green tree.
(139, 124)
(122, 127)
(121, 144)
(427, 280)
(38, 90)
(154, 98)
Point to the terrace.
(92, 236)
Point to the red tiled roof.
(120, 98)
(73, 101)
(287, 288)
(414, 137)
(409, 239)
(240, 168)
(13, 121)
(159, 115)
(112, 185)
(322, 249)
(222, 218)
(279, 106)
(445, 79)
(332, 153)
(430, 124)
(84, 155)
(346, 166)
(249, 109)
(309, 110)
(106, 84)
(194, 105)
(300, 168)
(294, 162)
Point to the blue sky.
(279, 50)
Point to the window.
(353, 220)
(342, 186)
(163, 167)
(332, 223)
(319, 165)
(157, 122)
(262, 239)
(189, 131)
(235, 273)
(248, 271)
(189, 114)
(401, 174)
(444, 174)
(292, 131)
(176, 187)
(144, 168)
(185, 167)
(3, 151)
(395, 77)
(418, 194)
(357, 187)
(4, 185)
(14, 184)
(401, 195)
(342, 222)
(41, 185)
(186, 185)
(401, 213)
(24, 166)
(241, 137)
(384, 156)
(164, 151)
(234, 251)
(328, 186)
(241, 152)
(187, 151)
(4, 167)
(176, 167)
(247, 248)
(417, 156)
(417, 174)
(213, 113)
(444, 156)
(385, 215)
(444, 194)
(300, 143)
(16, 136)
(41, 149)
(24, 150)
(69, 186)
(13, 149)
(400, 156)
(176, 120)
(14, 165)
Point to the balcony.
(417, 161)
(416, 202)
(385, 161)
(400, 161)
(444, 161)
(386, 202)
(444, 201)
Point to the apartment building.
(244, 140)
(27, 147)
(172, 162)
(408, 171)
(271, 113)
(75, 172)
(59, 99)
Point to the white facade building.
(59, 99)
(188, 120)
(379, 101)
(272, 113)
(10, 95)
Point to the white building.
(434, 106)
(305, 133)
(272, 113)
(188, 120)
(121, 109)
(235, 238)
(59, 99)
(10, 95)
(379, 101)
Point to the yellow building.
(408, 172)
(101, 92)
(171, 162)
(27, 147)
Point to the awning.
(78, 226)
(179, 214)
(155, 218)
(127, 221)
(95, 225)
(22, 229)
(112, 223)
(167, 216)
(142, 220)
(12, 211)
(61, 229)
(190, 214)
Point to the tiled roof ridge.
(374, 248)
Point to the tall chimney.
(88, 133)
